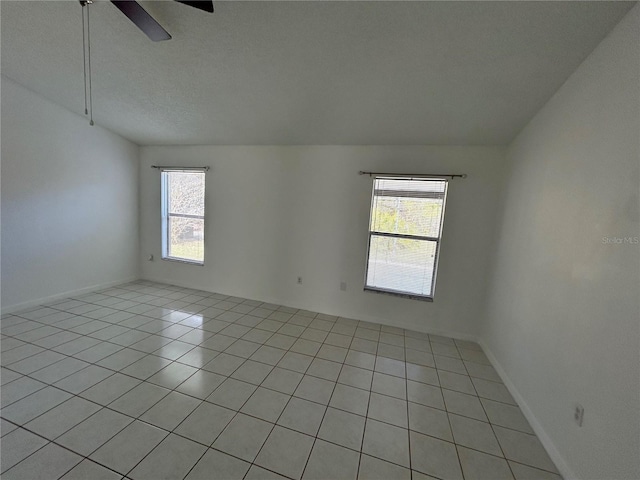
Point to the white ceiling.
(286, 73)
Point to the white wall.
(276, 213)
(69, 201)
(563, 315)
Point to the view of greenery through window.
(406, 217)
(185, 215)
(410, 216)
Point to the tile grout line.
(149, 334)
(326, 407)
(275, 423)
(493, 430)
(406, 388)
(315, 437)
(153, 352)
(175, 388)
(449, 420)
(364, 432)
(226, 453)
(146, 379)
(353, 336)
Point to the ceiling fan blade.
(206, 5)
(145, 22)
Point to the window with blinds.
(183, 216)
(404, 235)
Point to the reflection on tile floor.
(151, 381)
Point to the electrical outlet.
(578, 414)
(343, 286)
(299, 280)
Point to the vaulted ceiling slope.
(296, 73)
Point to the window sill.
(182, 260)
(394, 293)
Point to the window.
(183, 216)
(404, 235)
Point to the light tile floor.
(151, 381)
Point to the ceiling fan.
(145, 22)
(141, 18)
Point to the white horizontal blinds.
(405, 228)
(185, 215)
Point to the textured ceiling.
(309, 72)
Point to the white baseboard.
(366, 318)
(59, 296)
(562, 466)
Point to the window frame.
(166, 215)
(436, 240)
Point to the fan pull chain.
(89, 64)
(86, 59)
(84, 62)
